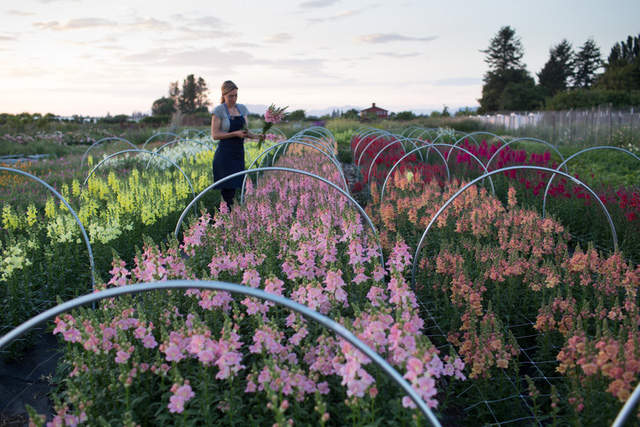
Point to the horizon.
(254, 109)
(86, 58)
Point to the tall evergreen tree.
(622, 69)
(504, 57)
(193, 97)
(505, 51)
(587, 62)
(556, 73)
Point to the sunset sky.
(93, 57)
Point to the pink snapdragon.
(181, 395)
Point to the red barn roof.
(373, 110)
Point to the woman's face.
(231, 97)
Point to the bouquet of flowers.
(272, 116)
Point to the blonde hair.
(227, 87)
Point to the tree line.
(569, 79)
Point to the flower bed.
(209, 357)
(508, 319)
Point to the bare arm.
(250, 134)
(217, 134)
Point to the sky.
(97, 57)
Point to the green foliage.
(404, 115)
(520, 96)
(587, 98)
(520, 85)
(622, 70)
(587, 62)
(506, 71)
(297, 115)
(163, 107)
(554, 76)
(504, 52)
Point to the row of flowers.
(515, 296)
(570, 203)
(214, 357)
(41, 242)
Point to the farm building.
(376, 111)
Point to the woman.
(229, 126)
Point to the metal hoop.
(95, 144)
(331, 184)
(546, 190)
(73, 213)
(493, 172)
(234, 289)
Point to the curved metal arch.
(466, 136)
(318, 129)
(234, 289)
(364, 150)
(277, 132)
(451, 147)
(362, 132)
(142, 151)
(73, 213)
(361, 129)
(479, 133)
(441, 136)
(175, 141)
(428, 131)
(263, 155)
(384, 185)
(410, 130)
(546, 190)
(325, 136)
(198, 132)
(367, 134)
(527, 139)
(321, 141)
(314, 139)
(401, 140)
(627, 408)
(95, 144)
(493, 190)
(493, 172)
(281, 169)
(305, 141)
(157, 135)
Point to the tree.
(521, 96)
(163, 107)
(351, 114)
(404, 116)
(505, 51)
(556, 73)
(193, 98)
(296, 116)
(504, 58)
(587, 63)
(622, 69)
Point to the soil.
(28, 380)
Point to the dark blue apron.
(229, 157)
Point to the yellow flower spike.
(409, 176)
(32, 217)
(9, 219)
(64, 191)
(75, 188)
(50, 208)
(90, 160)
(112, 181)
